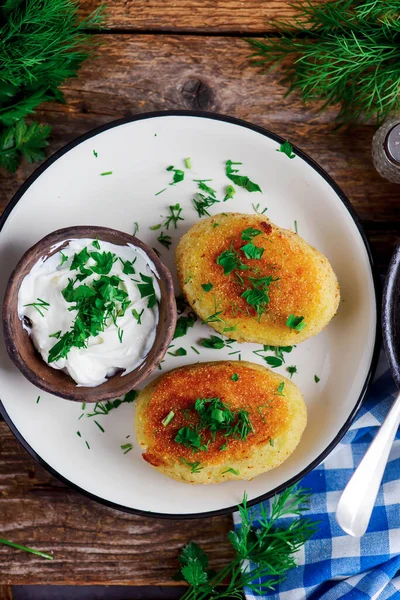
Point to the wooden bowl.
(23, 353)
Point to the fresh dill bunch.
(42, 43)
(342, 52)
(264, 551)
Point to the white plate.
(68, 190)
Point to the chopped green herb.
(215, 225)
(137, 315)
(183, 324)
(83, 405)
(64, 258)
(256, 208)
(240, 180)
(250, 233)
(251, 251)
(316, 378)
(155, 227)
(95, 153)
(101, 408)
(136, 228)
(207, 287)
(195, 466)
(56, 335)
(279, 389)
(126, 448)
(165, 240)
(38, 400)
(214, 342)
(230, 260)
(178, 175)
(178, 352)
(147, 290)
(39, 305)
(194, 350)
(188, 163)
(223, 447)
(206, 188)
(156, 251)
(99, 426)
(96, 244)
(231, 470)
(271, 442)
(175, 216)
(273, 361)
(160, 192)
(229, 192)
(287, 149)
(120, 334)
(87, 445)
(295, 227)
(296, 323)
(168, 418)
(235, 377)
(78, 433)
(202, 203)
(189, 438)
(188, 279)
(26, 549)
(292, 371)
(106, 173)
(258, 297)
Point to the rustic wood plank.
(91, 544)
(202, 16)
(5, 592)
(142, 73)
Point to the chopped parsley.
(214, 342)
(202, 185)
(292, 371)
(178, 175)
(39, 306)
(229, 192)
(189, 438)
(165, 240)
(279, 389)
(188, 162)
(155, 227)
(316, 379)
(64, 258)
(250, 233)
(106, 173)
(174, 217)
(230, 260)
(183, 324)
(231, 470)
(251, 251)
(235, 377)
(296, 323)
(126, 448)
(137, 315)
(146, 290)
(95, 154)
(194, 466)
(273, 361)
(103, 408)
(38, 400)
(120, 334)
(240, 180)
(202, 203)
(256, 208)
(56, 335)
(168, 418)
(287, 149)
(160, 192)
(207, 287)
(271, 442)
(195, 350)
(96, 244)
(178, 352)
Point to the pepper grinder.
(386, 150)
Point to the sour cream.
(122, 345)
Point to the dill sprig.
(340, 52)
(264, 551)
(42, 44)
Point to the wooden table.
(158, 55)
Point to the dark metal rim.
(341, 195)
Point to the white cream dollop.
(105, 353)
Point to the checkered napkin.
(334, 565)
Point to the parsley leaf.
(174, 217)
(240, 180)
(279, 389)
(235, 377)
(19, 139)
(179, 352)
(80, 259)
(292, 371)
(230, 260)
(207, 287)
(296, 323)
(178, 175)
(250, 233)
(183, 324)
(316, 378)
(231, 470)
(165, 240)
(287, 149)
(229, 192)
(147, 290)
(251, 251)
(214, 342)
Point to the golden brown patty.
(303, 282)
(277, 414)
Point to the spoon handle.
(358, 498)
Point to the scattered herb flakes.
(207, 287)
(273, 361)
(39, 306)
(230, 260)
(256, 208)
(126, 448)
(188, 279)
(279, 389)
(137, 315)
(165, 240)
(240, 180)
(120, 334)
(106, 173)
(271, 442)
(229, 192)
(188, 162)
(235, 377)
(168, 418)
(178, 175)
(194, 466)
(78, 433)
(223, 447)
(83, 405)
(87, 445)
(214, 225)
(56, 335)
(103, 408)
(292, 370)
(214, 342)
(146, 289)
(231, 470)
(195, 350)
(250, 233)
(99, 426)
(178, 352)
(135, 228)
(160, 192)
(174, 217)
(295, 227)
(155, 227)
(202, 202)
(251, 251)
(287, 149)
(64, 258)
(316, 379)
(128, 268)
(95, 154)
(202, 185)
(183, 324)
(189, 438)
(156, 252)
(296, 323)
(38, 400)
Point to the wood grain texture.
(134, 74)
(91, 544)
(5, 592)
(202, 16)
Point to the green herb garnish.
(165, 240)
(96, 244)
(316, 379)
(295, 227)
(189, 438)
(64, 258)
(229, 192)
(251, 251)
(292, 371)
(126, 448)
(256, 208)
(230, 260)
(183, 324)
(147, 290)
(56, 335)
(240, 180)
(137, 315)
(195, 350)
(279, 389)
(202, 203)
(175, 216)
(38, 400)
(194, 466)
(188, 162)
(178, 175)
(26, 549)
(101, 408)
(120, 334)
(207, 287)
(179, 352)
(214, 342)
(39, 306)
(271, 442)
(235, 377)
(95, 154)
(287, 149)
(106, 173)
(99, 426)
(296, 323)
(168, 418)
(231, 470)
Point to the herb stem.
(26, 549)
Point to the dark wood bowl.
(28, 360)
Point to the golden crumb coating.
(275, 409)
(303, 283)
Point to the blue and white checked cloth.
(333, 565)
